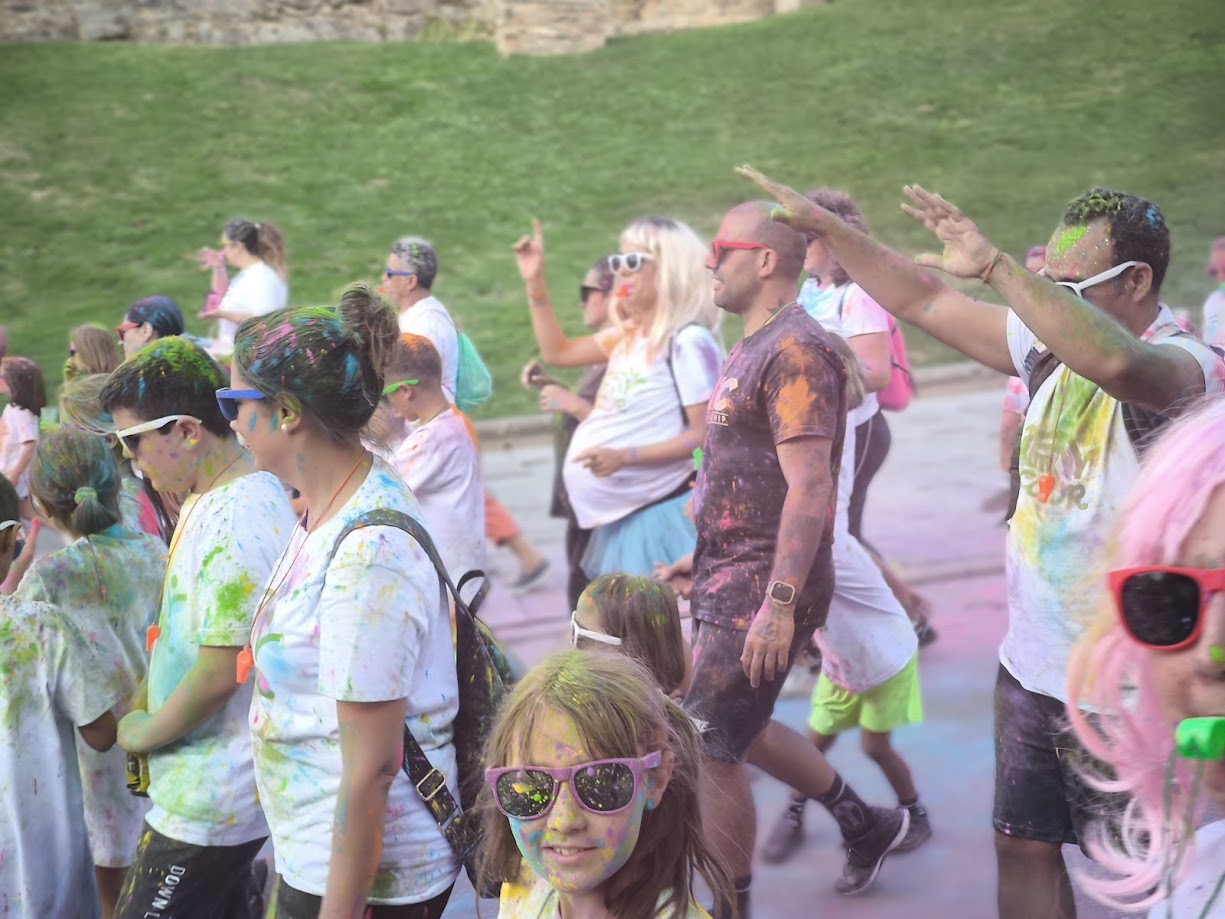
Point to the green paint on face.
(1217, 653)
(1066, 238)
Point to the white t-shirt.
(847, 311)
(867, 638)
(1200, 882)
(53, 683)
(1214, 318)
(130, 567)
(1073, 431)
(637, 405)
(226, 542)
(255, 290)
(369, 627)
(439, 462)
(430, 319)
(18, 426)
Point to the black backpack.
(484, 679)
(1141, 424)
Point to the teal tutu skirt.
(632, 545)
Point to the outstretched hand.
(210, 258)
(967, 253)
(529, 253)
(23, 561)
(793, 209)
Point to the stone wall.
(520, 26)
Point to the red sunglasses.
(719, 246)
(125, 327)
(1161, 607)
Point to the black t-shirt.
(783, 381)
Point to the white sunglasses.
(577, 632)
(628, 261)
(1079, 287)
(145, 427)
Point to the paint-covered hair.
(414, 357)
(263, 240)
(1111, 673)
(25, 383)
(75, 479)
(418, 256)
(682, 281)
(642, 613)
(855, 388)
(1137, 227)
(96, 350)
(843, 206)
(161, 313)
(619, 713)
(328, 359)
(169, 376)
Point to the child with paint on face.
(54, 688)
(438, 458)
(636, 616)
(205, 826)
(107, 582)
(351, 644)
(1154, 658)
(22, 382)
(591, 804)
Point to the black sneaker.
(865, 854)
(924, 632)
(786, 836)
(530, 579)
(920, 830)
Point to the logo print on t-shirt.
(720, 405)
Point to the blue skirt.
(656, 533)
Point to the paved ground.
(925, 515)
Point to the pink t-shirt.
(1016, 396)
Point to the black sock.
(723, 909)
(853, 815)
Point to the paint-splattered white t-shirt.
(1074, 433)
(848, 311)
(430, 319)
(130, 567)
(439, 462)
(226, 542)
(369, 627)
(52, 683)
(537, 900)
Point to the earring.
(285, 426)
(650, 804)
(192, 442)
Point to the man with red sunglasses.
(1104, 360)
(763, 566)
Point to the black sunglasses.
(1162, 607)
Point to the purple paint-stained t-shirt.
(783, 381)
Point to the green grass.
(118, 161)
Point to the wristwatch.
(781, 593)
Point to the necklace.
(154, 632)
(246, 657)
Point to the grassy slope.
(118, 161)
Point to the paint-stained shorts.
(1040, 792)
(177, 880)
(288, 903)
(727, 709)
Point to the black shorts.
(178, 880)
(1040, 791)
(294, 904)
(721, 700)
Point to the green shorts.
(890, 705)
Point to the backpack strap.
(431, 784)
(680, 400)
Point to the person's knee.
(876, 747)
(1017, 850)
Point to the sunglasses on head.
(602, 786)
(124, 327)
(719, 246)
(577, 632)
(1162, 607)
(228, 399)
(129, 438)
(628, 261)
(392, 387)
(1079, 287)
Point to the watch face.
(782, 592)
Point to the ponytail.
(75, 478)
(270, 248)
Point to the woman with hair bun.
(107, 582)
(350, 642)
(257, 250)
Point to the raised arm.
(555, 347)
(909, 291)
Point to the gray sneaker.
(865, 855)
(920, 831)
(786, 836)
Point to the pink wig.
(1110, 674)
